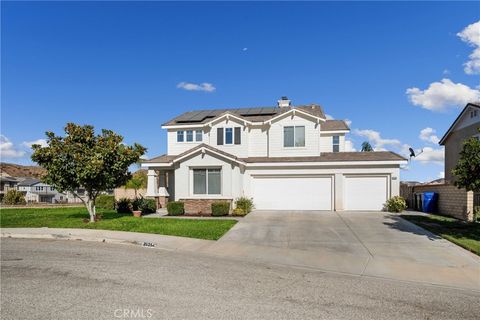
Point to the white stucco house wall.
(284, 157)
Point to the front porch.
(161, 185)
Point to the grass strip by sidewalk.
(466, 235)
(111, 220)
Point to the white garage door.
(365, 192)
(292, 192)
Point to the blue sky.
(119, 66)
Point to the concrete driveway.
(374, 244)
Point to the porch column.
(162, 190)
(152, 185)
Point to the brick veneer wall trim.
(452, 201)
(201, 206)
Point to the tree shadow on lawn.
(403, 224)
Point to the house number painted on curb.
(148, 244)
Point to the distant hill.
(17, 170)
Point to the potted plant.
(136, 207)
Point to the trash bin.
(430, 200)
(418, 197)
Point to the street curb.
(153, 241)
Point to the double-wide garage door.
(316, 192)
(293, 192)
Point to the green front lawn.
(73, 218)
(466, 235)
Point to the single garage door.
(292, 192)
(365, 192)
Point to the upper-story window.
(294, 136)
(189, 135)
(473, 113)
(198, 135)
(229, 136)
(180, 136)
(336, 143)
(52, 188)
(39, 188)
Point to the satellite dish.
(412, 153)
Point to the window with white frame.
(207, 181)
(336, 143)
(198, 135)
(189, 135)
(228, 135)
(294, 136)
(180, 136)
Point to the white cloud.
(446, 72)
(8, 150)
(348, 122)
(441, 175)
(374, 137)
(430, 155)
(328, 117)
(349, 147)
(29, 144)
(205, 86)
(428, 135)
(441, 95)
(471, 35)
(245, 49)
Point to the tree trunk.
(91, 209)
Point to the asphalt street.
(58, 279)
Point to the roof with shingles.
(332, 125)
(256, 114)
(29, 182)
(324, 157)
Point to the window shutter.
(238, 135)
(219, 136)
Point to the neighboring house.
(284, 157)
(37, 191)
(465, 126)
(453, 201)
(7, 183)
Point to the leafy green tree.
(14, 197)
(467, 171)
(137, 182)
(366, 147)
(82, 159)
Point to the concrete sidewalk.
(156, 241)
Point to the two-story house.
(465, 126)
(284, 157)
(7, 183)
(37, 191)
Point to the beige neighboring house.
(7, 183)
(285, 157)
(453, 201)
(465, 126)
